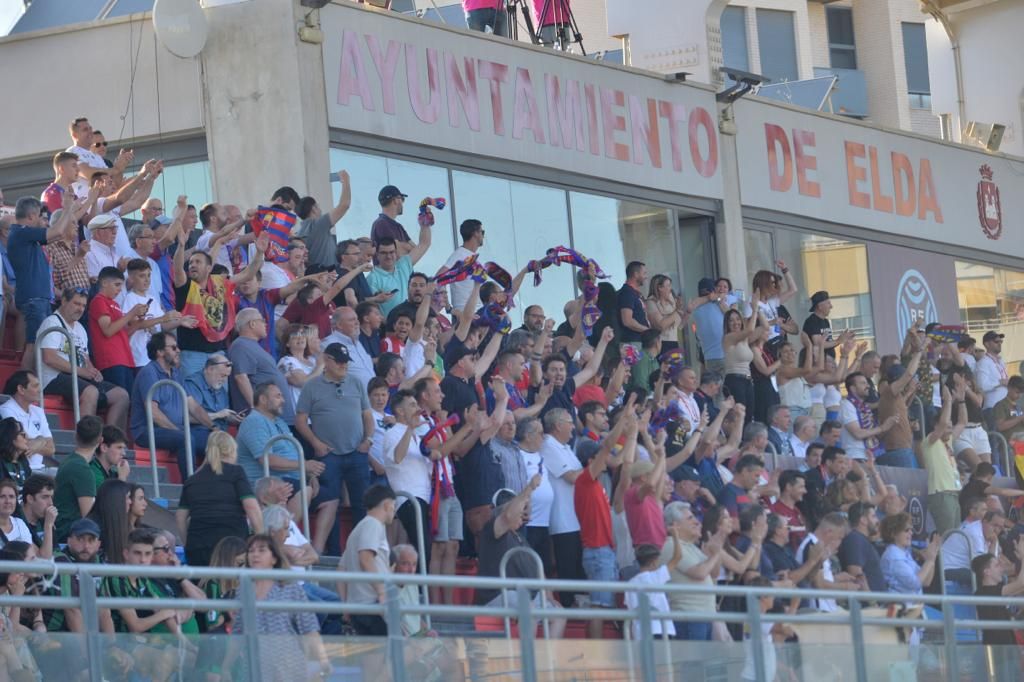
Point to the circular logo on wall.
(916, 510)
(914, 301)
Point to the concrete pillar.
(264, 106)
(732, 249)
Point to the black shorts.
(60, 385)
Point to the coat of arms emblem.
(990, 212)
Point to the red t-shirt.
(315, 312)
(391, 344)
(644, 518)
(108, 351)
(593, 511)
(797, 525)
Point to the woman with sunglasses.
(14, 452)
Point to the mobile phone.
(245, 413)
(394, 291)
(149, 303)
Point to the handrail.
(1000, 438)
(189, 464)
(769, 448)
(942, 560)
(72, 359)
(303, 495)
(920, 409)
(504, 595)
(421, 546)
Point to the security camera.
(744, 83)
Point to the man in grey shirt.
(333, 415)
(317, 228)
(252, 366)
(368, 551)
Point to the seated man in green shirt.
(1006, 416)
(109, 461)
(75, 490)
(138, 551)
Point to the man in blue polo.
(169, 411)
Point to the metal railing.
(1004, 449)
(392, 611)
(301, 462)
(503, 567)
(189, 463)
(421, 545)
(72, 360)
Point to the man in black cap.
(333, 415)
(392, 205)
(817, 323)
(686, 487)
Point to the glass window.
(819, 263)
(992, 298)
(777, 38)
(190, 179)
(368, 174)
(521, 222)
(841, 48)
(735, 53)
(915, 56)
(760, 248)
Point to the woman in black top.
(14, 452)
(216, 502)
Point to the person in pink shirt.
(643, 503)
(484, 14)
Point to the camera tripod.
(566, 30)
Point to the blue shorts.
(599, 565)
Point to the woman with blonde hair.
(216, 501)
(666, 311)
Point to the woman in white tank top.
(794, 391)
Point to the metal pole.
(189, 464)
(503, 566)
(250, 625)
(396, 642)
(72, 360)
(90, 618)
(647, 666)
(857, 628)
(303, 495)
(949, 635)
(527, 632)
(756, 636)
(421, 547)
(1004, 448)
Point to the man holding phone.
(393, 271)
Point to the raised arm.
(487, 357)
(341, 208)
(422, 313)
(421, 248)
(590, 370)
(178, 262)
(466, 314)
(262, 242)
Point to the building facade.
(548, 149)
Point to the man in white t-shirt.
(94, 393)
(563, 469)
(139, 290)
(472, 233)
(128, 198)
(860, 425)
(24, 389)
(88, 160)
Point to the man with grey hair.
(279, 524)
(142, 241)
(780, 419)
(826, 538)
(804, 431)
(563, 469)
(345, 325)
(251, 365)
(209, 389)
(755, 439)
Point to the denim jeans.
(697, 632)
(901, 457)
(174, 440)
(34, 310)
(352, 470)
(599, 565)
(481, 19)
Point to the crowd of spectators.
(595, 441)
